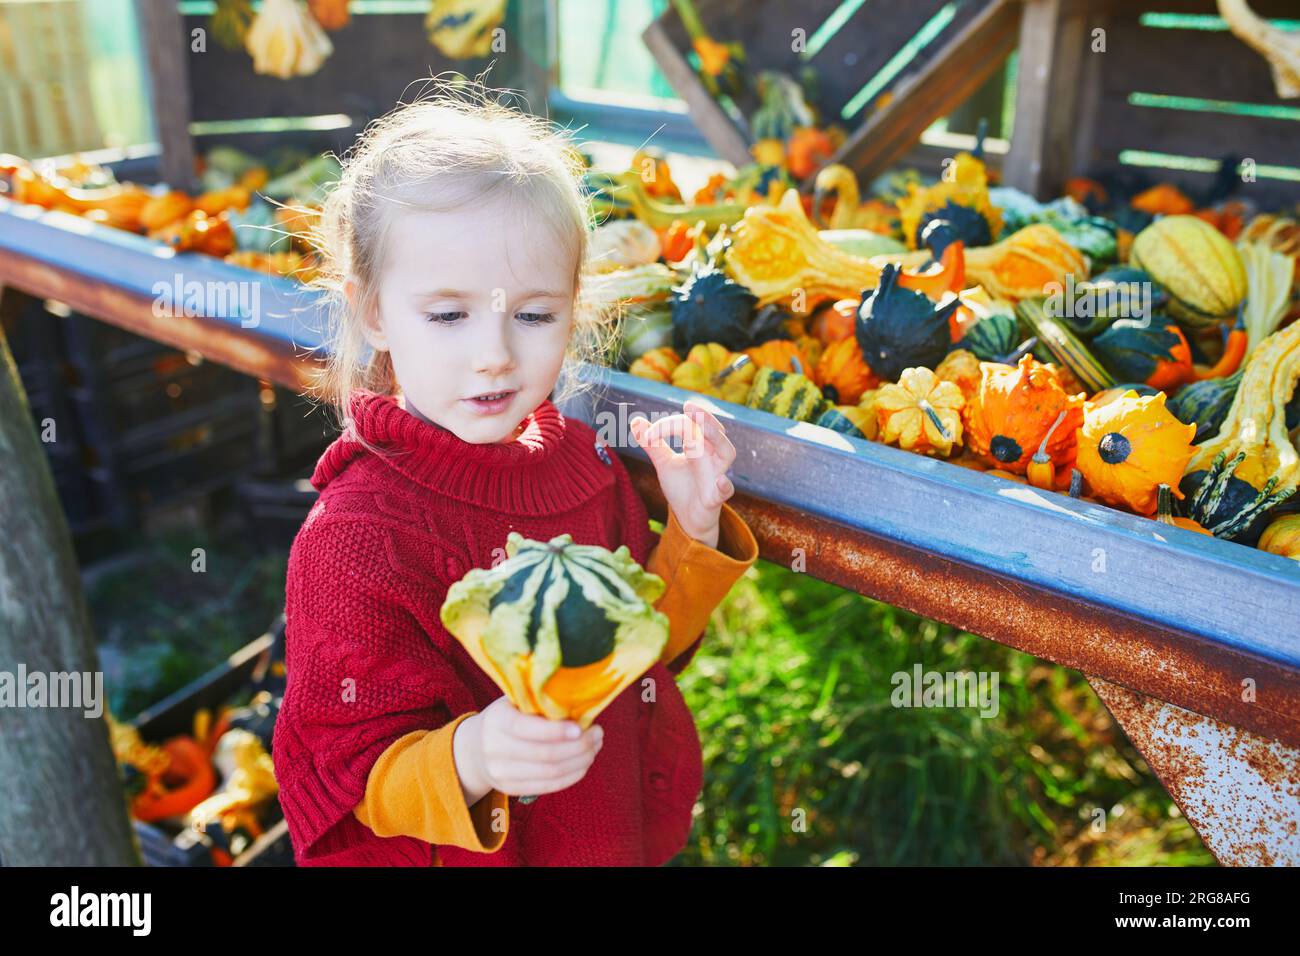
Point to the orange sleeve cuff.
(414, 790)
(698, 577)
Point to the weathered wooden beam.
(946, 80)
(707, 115)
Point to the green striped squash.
(1196, 264)
(787, 394)
(852, 420)
(540, 621)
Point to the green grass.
(807, 762)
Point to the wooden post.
(1055, 47)
(59, 783)
(533, 60)
(162, 32)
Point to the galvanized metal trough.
(1193, 643)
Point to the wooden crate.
(250, 666)
(1152, 102)
(970, 37)
(378, 60)
(1159, 92)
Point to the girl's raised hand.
(694, 480)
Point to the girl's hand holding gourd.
(519, 754)
(694, 480)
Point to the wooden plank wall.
(1190, 63)
(378, 60)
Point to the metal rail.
(1205, 629)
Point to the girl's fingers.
(539, 787)
(521, 772)
(659, 451)
(519, 748)
(654, 439)
(725, 486)
(712, 428)
(541, 729)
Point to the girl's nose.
(494, 351)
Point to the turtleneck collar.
(545, 469)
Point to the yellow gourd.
(777, 254)
(1256, 422)
(705, 370)
(920, 413)
(1282, 537)
(1130, 446)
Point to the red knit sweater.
(368, 659)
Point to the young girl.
(454, 247)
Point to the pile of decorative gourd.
(953, 349)
(244, 215)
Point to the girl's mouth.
(491, 403)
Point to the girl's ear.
(371, 328)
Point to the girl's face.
(474, 302)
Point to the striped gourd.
(561, 627)
(1198, 266)
(853, 420)
(787, 394)
(1064, 345)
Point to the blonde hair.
(453, 147)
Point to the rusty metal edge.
(1239, 791)
(1192, 672)
(219, 340)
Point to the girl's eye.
(536, 318)
(442, 316)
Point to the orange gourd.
(165, 209)
(1014, 411)
(1131, 445)
(962, 368)
(189, 778)
(843, 374)
(657, 364)
(781, 354)
(835, 322)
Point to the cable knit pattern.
(369, 661)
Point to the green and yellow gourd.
(561, 628)
(1206, 404)
(1196, 264)
(853, 420)
(1064, 345)
(787, 394)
